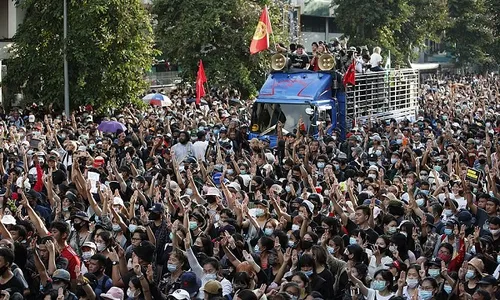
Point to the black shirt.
(13, 285)
(299, 61)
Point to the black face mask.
(98, 272)
(296, 178)
(482, 161)
(3, 270)
(78, 226)
(154, 216)
(196, 249)
(306, 245)
(70, 152)
(211, 199)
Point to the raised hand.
(402, 280)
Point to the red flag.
(201, 79)
(260, 40)
(350, 74)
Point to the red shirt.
(73, 260)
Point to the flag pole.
(272, 31)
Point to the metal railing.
(163, 78)
(383, 95)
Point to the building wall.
(4, 20)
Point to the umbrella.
(157, 100)
(111, 126)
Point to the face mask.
(100, 246)
(425, 192)
(210, 277)
(230, 171)
(337, 167)
(189, 192)
(482, 161)
(393, 248)
(65, 209)
(259, 212)
(87, 255)
(320, 165)
(437, 168)
(77, 226)
(470, 274)
(498, 259)
(136, 206)
(394, 160)
(378, 152)
(433, 273)
(444, 257)
(171, 267)
(378, 285)
(243, 172)
(353, 241)
(132, 227)
(495, 231)
(288, 189)
(425, 295)
(488, 124)
(392, 229)
(372, 176)
(447, 212)
(130, 293)
(399, 141)
(291, 244)
(448, 231)
(420, 202)
(306, 245)
(268, 231)
(154, 216)
(331, 250)
(412, 282)
(256, 249)
(308, 273)
(447, 288)
(193, 225)
(295, 227)
(116, 228)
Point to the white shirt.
(462, 203)
(375, 60)
(199, 149)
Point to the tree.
(395, 25)
(472, 35)
(219, 33)
(109, 49)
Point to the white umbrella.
(157, 100)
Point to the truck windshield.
(266, 115)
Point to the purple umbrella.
(111, 126)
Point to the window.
(313, 24)
(332, 26)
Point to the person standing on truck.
(300, 59)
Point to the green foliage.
(109, 49)
(395, 25)
(219, 33)
(473, 35)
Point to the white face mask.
(130, 293)
(87, 255)
(100, 246)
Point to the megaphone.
(278, 62)
(326, 62)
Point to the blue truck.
(314, 97)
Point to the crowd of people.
(179, 204)
(344, 56)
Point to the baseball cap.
(113, 293)
(157, 208)
(190, 283)
(179, 295)
(488, 280)
(61, 274)
(212, 287)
